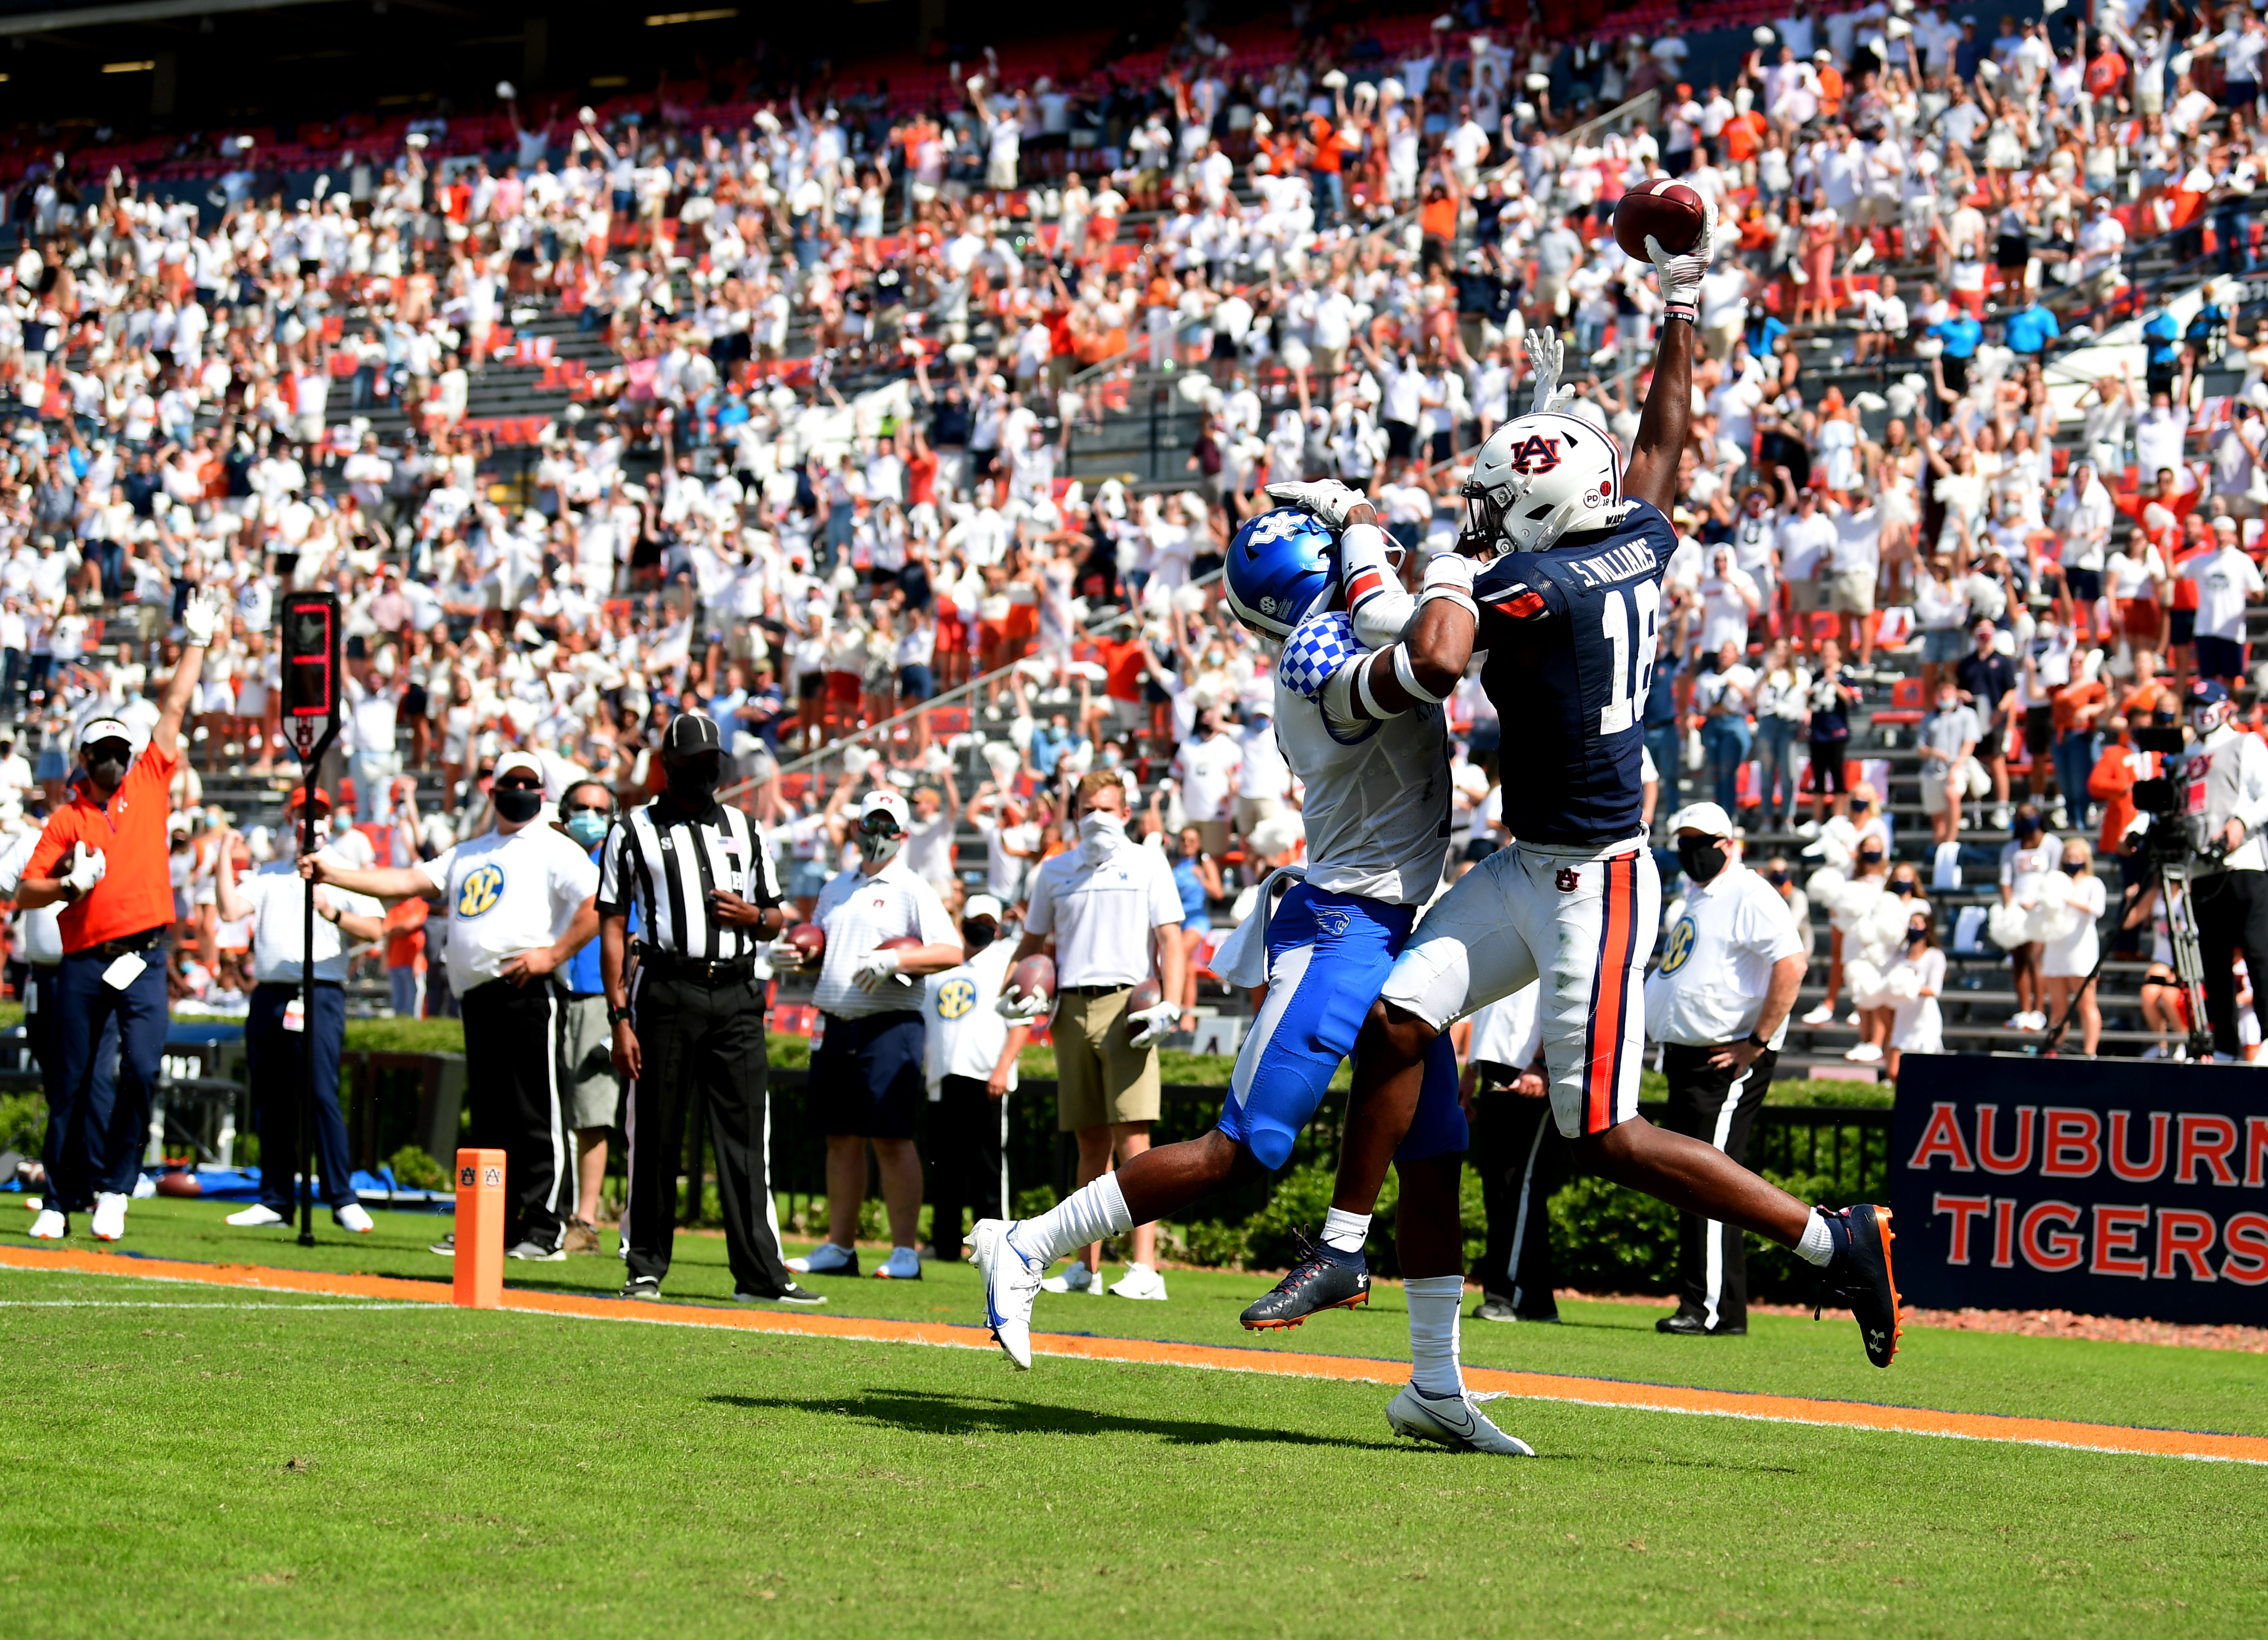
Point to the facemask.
(1110, 757)
(1100, 835)
(1916, 936)
(1778, 880)
(2027, 825)
(110, 773)
(1703, 857)
(588, 828)
(517, 805)
(692, 784)
(2076, 868)
(1870, 857)
(978, 933)
(1903, 889)
(879, 848)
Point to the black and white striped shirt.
(668, 865)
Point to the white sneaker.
(904, 1264)
(256, 1216)
(1810, 828)
(2000, 818)
(1852, 1019)
(825, 1259)
(1012, 1285)
(1140, 1282)
(109, 1216)
(2156, 1050)
(1865, 1054)
(1824, 1014)
(1076, 1278)
(50, 1225)
(1452, 1421)
(355, 1216)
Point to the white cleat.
(256, 1217)
(1140, 1282)
(109, 1216)
(354, 1217)
(50, 1225)
(1452, 1421)
(1076, 1278)
(1012, 1285)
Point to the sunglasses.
(486, 774)
(879, 826)
(520, 783)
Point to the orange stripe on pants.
(1610, 987)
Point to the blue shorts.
(866, 1077)
(1327, 959)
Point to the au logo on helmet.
(1534, 454)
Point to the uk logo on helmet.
(1534, 454)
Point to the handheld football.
(1034, 976)
(1669, 209)
(903, 942)
(1145, 995)
(809, 941)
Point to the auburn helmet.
(1536, 478)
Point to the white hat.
(1707, 818)
(983, 905)
(887, 803)
(519, 763)
(105, 729)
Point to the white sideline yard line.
(159, 1304)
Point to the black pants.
(511, 1078)
(967, 1150)
(2232, 911)
(1522, 1159)
(69, 1148)
(702, 1041)
(1718, 1106)
(276, 1059)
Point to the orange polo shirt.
(136, 890)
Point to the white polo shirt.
(963, 1034)
(505, 895)
(278, 899)
(1102, 914)
(1716, 961)
(859, 913)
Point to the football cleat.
(1859, 1277)
(1315, 1283)
(1452, 1421)
(1012, 1285)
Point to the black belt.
(1093, 990)
(148, 939)
(668, 965)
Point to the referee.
(690, 1024)
(1718, 1005)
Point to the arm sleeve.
(1374, 595)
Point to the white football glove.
(1327, 498)
(201, 617)
(1680, 276)
(1020, 1007)
(1151, 1024)
(86, 869)
(874, 970)
(1546, 353)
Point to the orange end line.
(1590, 1392)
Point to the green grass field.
(201, 1460)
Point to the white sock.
(1818, 1243)
(1435, 1302)
(1089, 1213)
(1346, 1232)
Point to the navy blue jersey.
(1570, 636)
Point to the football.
(809, 941)
(1034, 976)
(1145, 996)
(1665, 208)
(903, 942)
(179, 1181)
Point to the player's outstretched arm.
(1665, 423)
(1425, 665)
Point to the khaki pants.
(1101, 1078)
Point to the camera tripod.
(2172, 879)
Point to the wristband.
(1758, 1043)
(1680, 310)
(617, 1016)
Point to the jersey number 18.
(1629, 627)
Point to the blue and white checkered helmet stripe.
(1315, 651)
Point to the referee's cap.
(99, 729)
(887, 803)
(690, 734)
(1706, 818)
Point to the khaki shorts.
(586, 1064)
(1251, 811)
(1807, 595)
(1214, 833)
(1853, 593)
(1102, 1077)
(1968, 780)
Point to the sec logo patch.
(955, 997)
(483, 887)
(1678, 946)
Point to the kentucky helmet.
(1536, 478)
(1280, 567)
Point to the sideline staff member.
(273, 1041)
(970, 1065)
(1718, 1003)
(866, 1064)
(520, 901)
(692, 1026)
(105, 854)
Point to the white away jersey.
(1377, 803)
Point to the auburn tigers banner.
(2105, 1186)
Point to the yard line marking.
(140, 1304)
(2201, 1445)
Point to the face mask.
(1778, 880)
(2076, 868)
(108, 773)
(1703, 857)
(693, 784)
(1902, 888)
(517, 805)
(1916, 936)
(588, 828)
(1110, 757)
(978, 933)
(879, 848)
(2027, 825)
(1100, 834)
(1870, 857)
